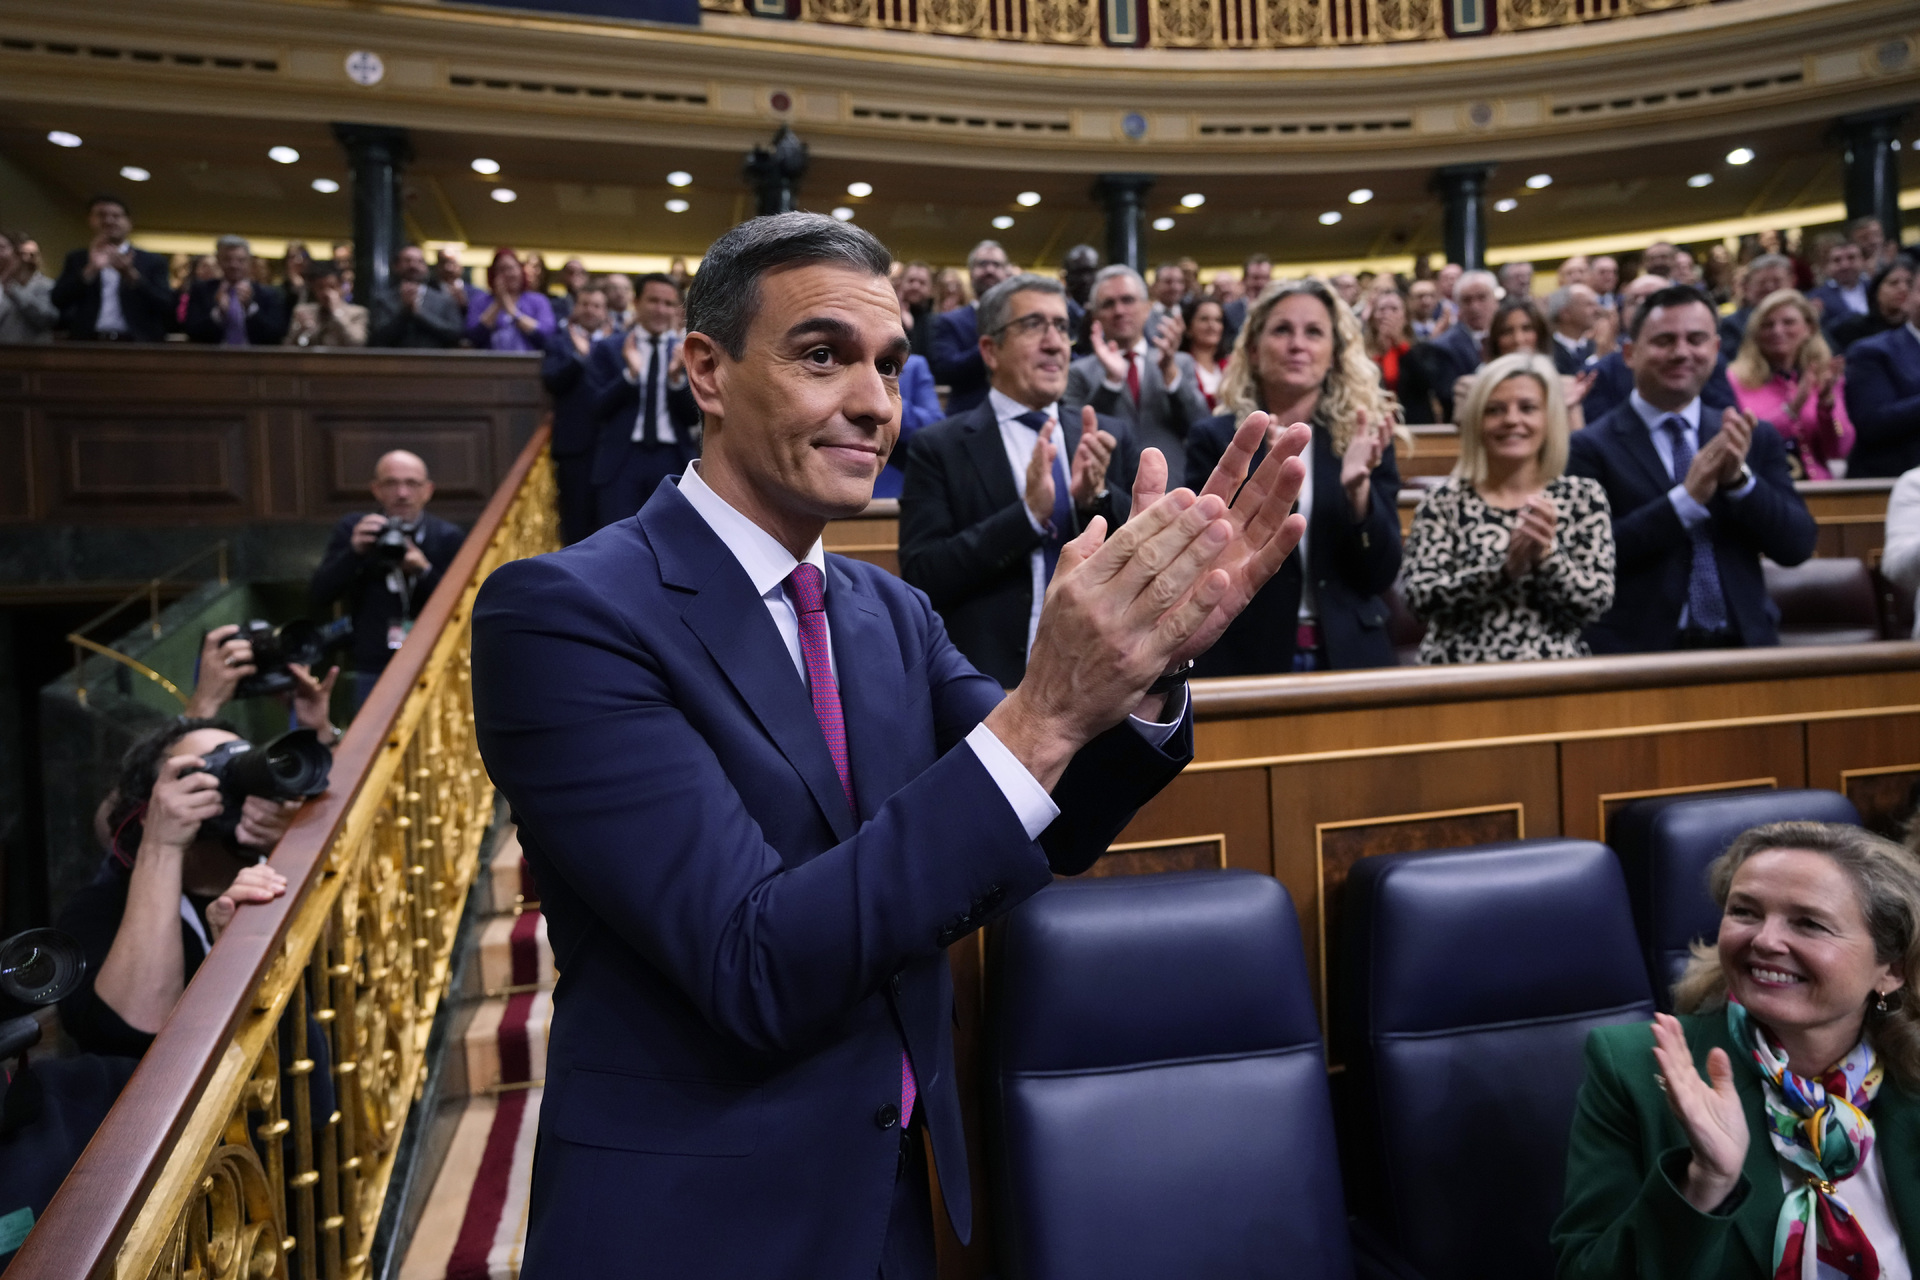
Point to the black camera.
(38, 967)
(274, 647)
(390, 547)
(293, 766)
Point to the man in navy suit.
(1698, 495)
(993, 493)
(111, 291)
(764, 793)
(1844, 292)
(563, 371)
(232, 310)
(645, 418)
(956, 334)
(1883, 398)
(1427, 379)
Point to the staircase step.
(506, 1043)
(514, 953)
(510, 878)
(475, 1224)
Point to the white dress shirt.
(768, 565)
(1019, 440)
(663, 429)
(111, 318)
(1309, 598)
(1691, 513)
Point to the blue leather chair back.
(1665, 844)
(1158, 1091)
(1469, 981)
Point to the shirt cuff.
(1111, 385)
(633, 379)
(1752, 483)
(1692, 514)
(1157, 733)
(1031, 803)
(1041, 527)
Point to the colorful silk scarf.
(1820, 1128)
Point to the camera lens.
(40, 966)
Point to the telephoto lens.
(40, 966)
(390, 547)
(293, 766)
(298, 641)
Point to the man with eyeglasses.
(993, 493)
(956, 334)
(1137, 371)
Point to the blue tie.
(1706, 605)
(1062, 519)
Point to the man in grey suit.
(1143, 379)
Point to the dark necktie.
(649, 415)
(1706, 605)
(1061, 521)
(806, 589)
(236, 335)
(1133, 377)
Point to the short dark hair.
(991, 311)
(104, 198)
(640, 282)
(723, 297)
(1674, 295)
(322, 269)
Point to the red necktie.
(807, 590)
(1133, 376)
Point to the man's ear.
(990, 353)
(706, 366)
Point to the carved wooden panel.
(455, 450)
(16, 463)
(1885, 797)
(1152, 857)
(1232, 802)
(173, 459)
(1625, 768)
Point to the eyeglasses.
(1031, 325)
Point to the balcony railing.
(258, 1136)
(1200, 24)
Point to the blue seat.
(1157, 1092)
(1468, 981)
(1665, 844)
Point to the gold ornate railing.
(1204, 24)
(259, 1134)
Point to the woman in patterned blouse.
(1510, 557)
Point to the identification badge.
(13, 1230)
(397, 634)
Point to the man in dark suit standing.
(646, 422)
(410, 313)
(763, 792)
(1432, 370)
(111, 291)
(384, 592)
(1883, 398)
(956, 334)
(992, 494)
(1571, 311)
(1844, 291)
(1255, 276)
(1137, 373)
(234, 310)
(1698, 495)
(563, 371)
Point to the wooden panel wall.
(185, 434)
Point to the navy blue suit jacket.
(1613, 383)
(740, 956)
(1653, 556)
(563, 372)
(1883, 400)
(956, 360)
(616, 405)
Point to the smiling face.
(1795, 946)
(659, 307)
(236, 264)
(988, 266)
(1295, 349)
(799, 426)
(1513, 427)
(1121, 308)
(108, 219)
(1028, 359)
(1781, 332)
(1674, 354)
(1892, 297)
(1477, 299)
(1208, 327)
(1515, 332)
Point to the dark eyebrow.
(834, 330)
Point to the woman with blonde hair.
(1785, 374)
(951, 290)
(1511, 557)
(1300, 356)
(1771, 1131)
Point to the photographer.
(226, 658)
(385, 565)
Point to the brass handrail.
(215, 1159)
(79, 641)
(151, 592)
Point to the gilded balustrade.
(277, 1167)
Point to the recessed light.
(1539, 181)
(1163, 224)
(843, 213)
(1330, 217)
(1700, 180)
(61, 138)
(505, 195)
(1506, 206)
(325, 186)
(679, 178)
(859, 190)
(1027, 199)
(134, 173)
(1002, 222)
(283, 155)
(1360, 195)
(1192, 200)
(1740, 155)
(677, 205)
(483, 165)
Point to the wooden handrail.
(110, 1188)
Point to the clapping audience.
(508, 316)
(27, 313)
(1787, 376)
(329, 320)
(1886, 309)
(1389, 335)
(410, 313)
(1136, 373)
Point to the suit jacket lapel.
(1637, 438)
(981, 441)
(732, 622)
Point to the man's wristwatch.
(1742, 480)
(1173, 679)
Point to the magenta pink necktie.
(806, 589)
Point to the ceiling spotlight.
(1192, 200)
(1330, 217)
(483, 165)
(677, 205)
(283, 155)
(1539, 181)
(61, 138)
(1740, 155)
(859, 190)
(1002, 222)
(325, 186)
(679, 178)
(1506, 206)
(1163, 224)
(505, 195)
(1027, 199)
(843, 213)
(1360, 195)
(1700, 180)
(134, 173)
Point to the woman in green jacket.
(1772, 1131)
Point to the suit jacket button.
(896, 984)
(888, 1116)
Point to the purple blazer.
(505, 335)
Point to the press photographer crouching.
(385, 565)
